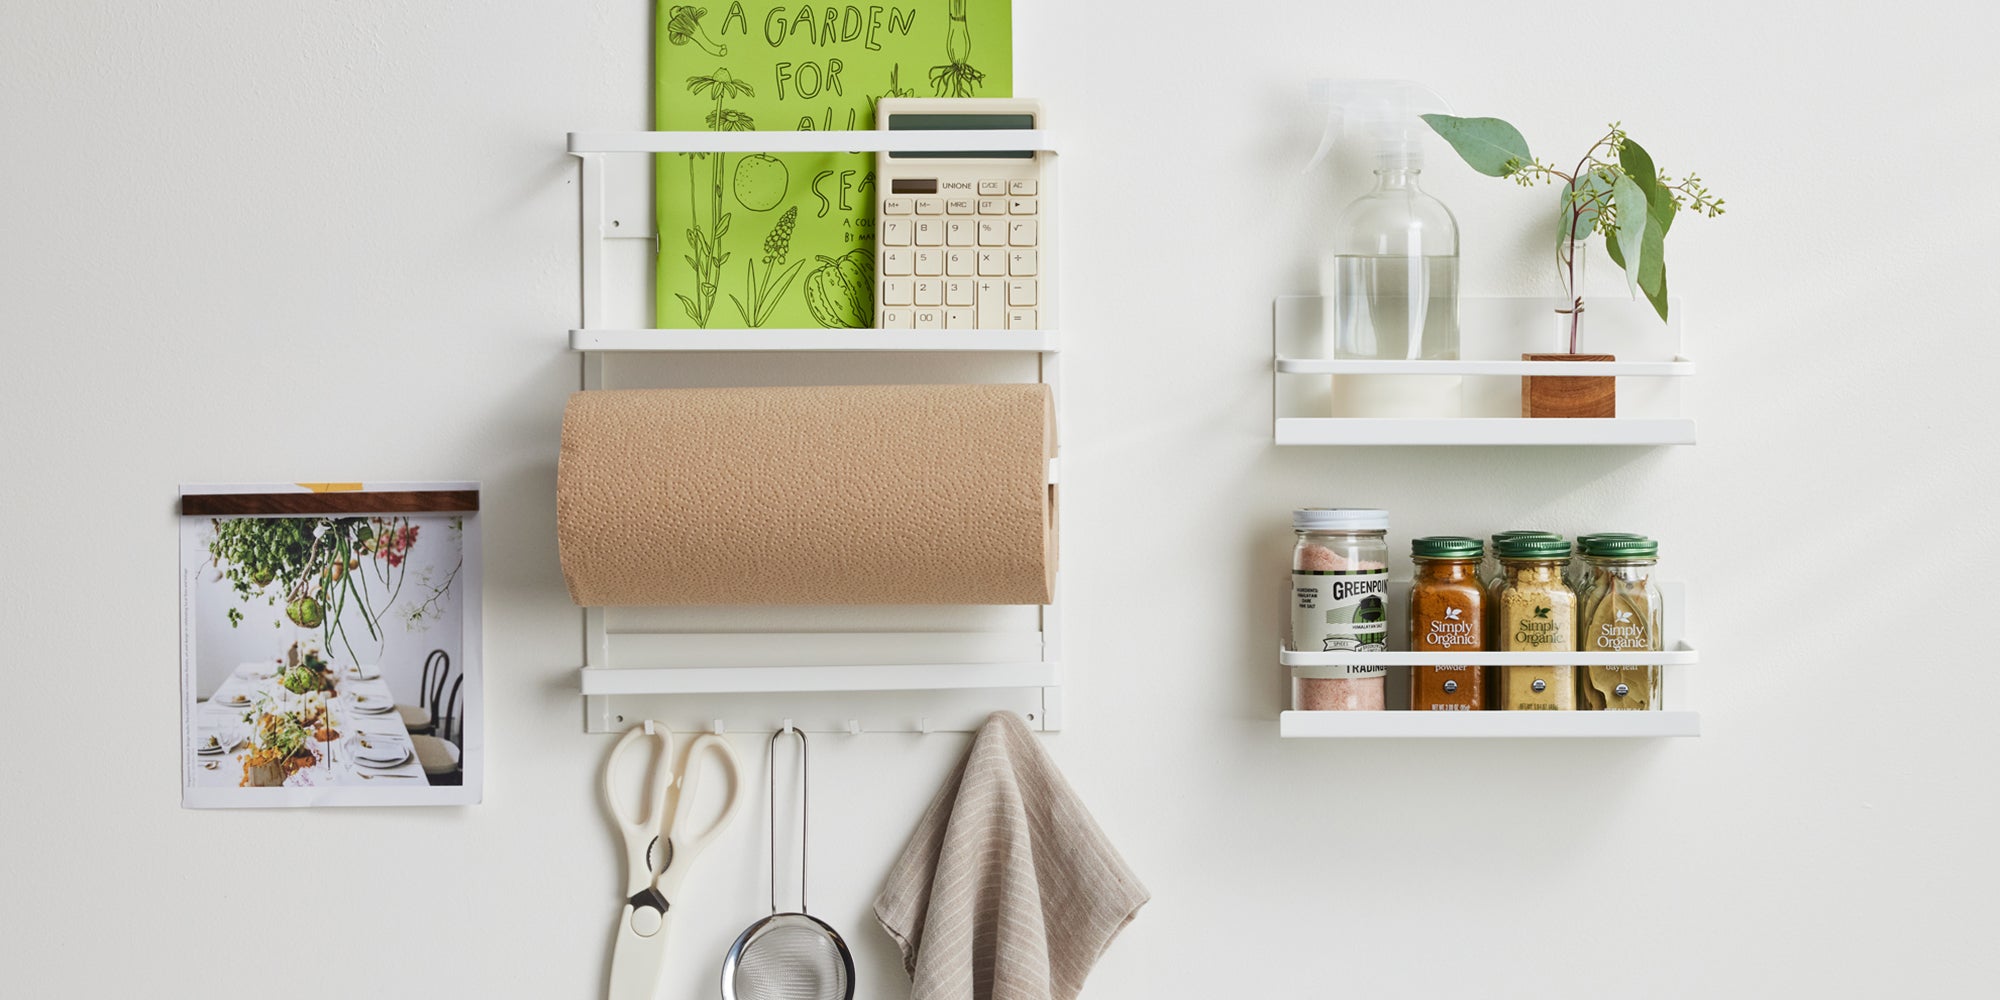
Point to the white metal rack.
(1492, 329)
(1675, 717)
(861, 675)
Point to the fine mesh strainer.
(788, 956)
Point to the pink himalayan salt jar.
(1340, 584)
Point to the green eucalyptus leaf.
(1633, 221)
(1638, 165)
(1658, 295)
(1653, 260)
(1660, 207)
(1488, 145)
(1585, 189)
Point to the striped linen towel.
(1007, 890)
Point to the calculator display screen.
(937, 122)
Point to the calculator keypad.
(961, 262)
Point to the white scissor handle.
(686, 843)
(639, 831)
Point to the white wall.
(247, 241)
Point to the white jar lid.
(1340, 519)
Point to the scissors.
(639, 954)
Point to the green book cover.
(754, 240)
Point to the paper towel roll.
(882, 494)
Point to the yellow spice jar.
(1536, 613)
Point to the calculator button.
(959, 232)
(896, 262)
(958, 319)
(930, 292)
(988, 188)
(992, 304)
(930, 206)
(992, 206)
(1013, 187)
(992, 232)
(898, 319)
(1021, 263)
(895, 206)
(930, 233)
(1020, 232)
(958, 292)
(930, 263)
(895, 232)
(1020, 319)
(930, 319)
(992, 263)
(958, 206)
(1019, 293)
(895, 292)
(1021, 206)
(958, 263)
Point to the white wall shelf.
(857, 141)
(1678, 367)
(890, 670)
(1487, 725)
(1045, 341)
(869, 677)
(1676, 716)
(1682, 654)
(1494, 333)
(1391, 431)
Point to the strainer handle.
(805, 799)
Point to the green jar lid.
(1447, 547)
(1583, 542)
(1531, 547)
(1502, 536)
(1623, 547)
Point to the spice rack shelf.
(1392, 431)
(1494, 332)
(1680, 655)
(906, 673)
(1487, 725)
(1675, 717)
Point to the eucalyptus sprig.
(1613, 184)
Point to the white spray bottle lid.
(1384, 112)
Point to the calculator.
(963, 239)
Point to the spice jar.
(1580, 577)
(1493, 616)
(1621, 613)
(1537, 612)
(1447, 615)
(1340, 594)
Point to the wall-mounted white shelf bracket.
(840, 670)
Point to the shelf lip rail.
(794, 679)
(855, 141)
(775, 340)
(1677, 368)
(1390, 431)
(1680, 655)
(1488, 725)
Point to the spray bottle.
(1389, 278)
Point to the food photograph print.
(330, 645)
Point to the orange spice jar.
(1447, 615)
